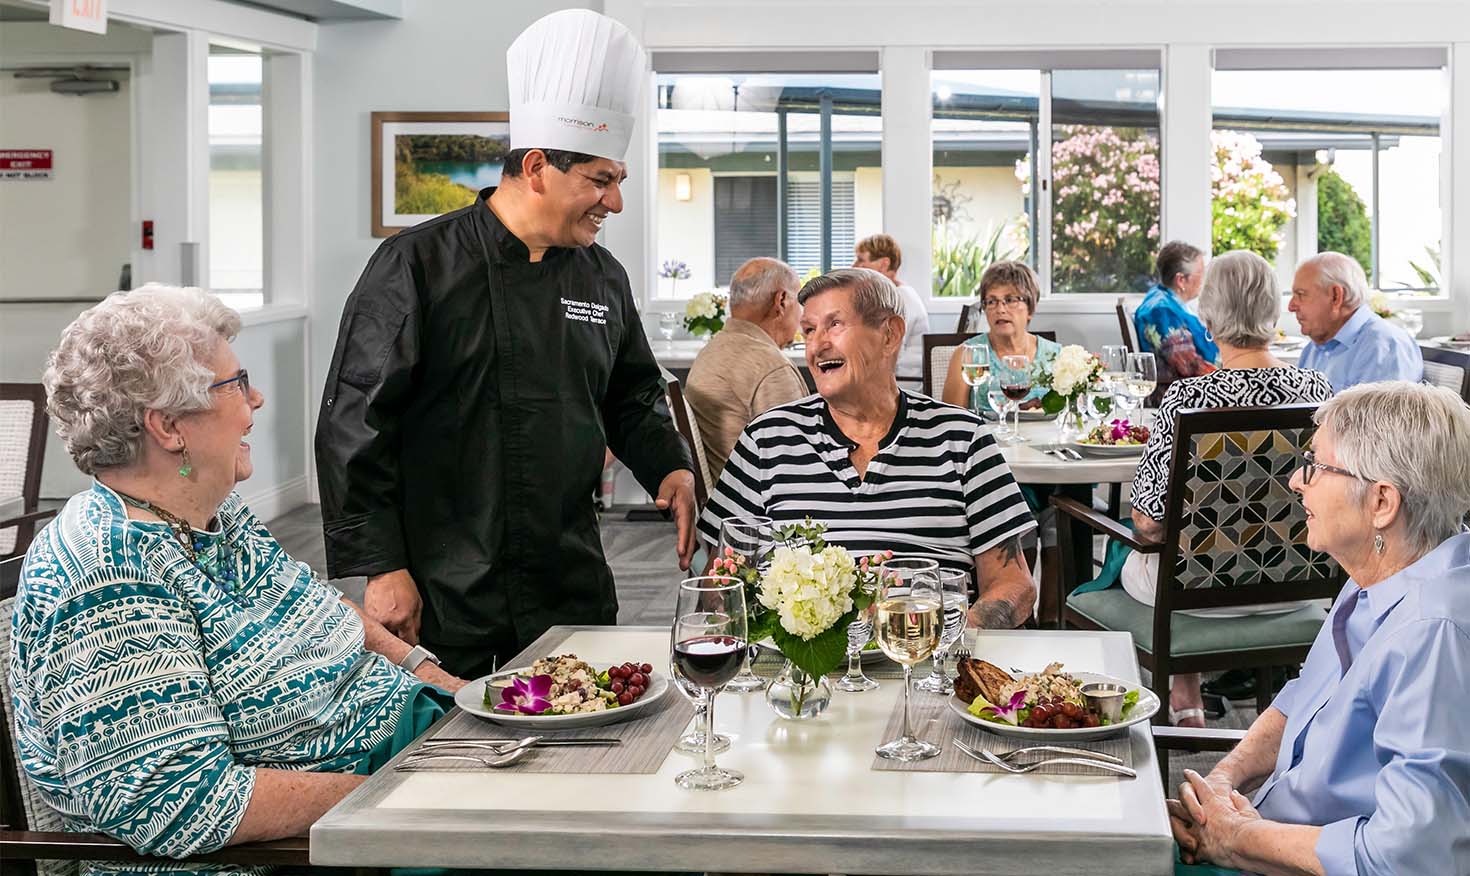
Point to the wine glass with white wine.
(975, 369)
(1142, 378)
(908, 620)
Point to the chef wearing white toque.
(484, 361)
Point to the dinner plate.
(471, 698)
(1289, 343)
(1147, 705)
(1110, 451)
(1449, 342)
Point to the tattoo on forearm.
(995, 614)
(1010, 551)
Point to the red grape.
(617, 687)
(638, 679)
(625, 698)
(646, 668)
(636, 690)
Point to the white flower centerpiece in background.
(804, 601)
(1073, 373)
(705, 313)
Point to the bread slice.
(979, 678)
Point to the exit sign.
(25, 163)
(88, 15)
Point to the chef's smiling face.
(581, 199)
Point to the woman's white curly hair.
(136, 351)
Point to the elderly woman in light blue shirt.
(1366, 756)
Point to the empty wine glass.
(751, 538)
(706, 642)
(1114, 358)
(954, 592)
(1015, 384)
(908, 621)
(859, 633)
(694, 742)
(668, 323)
(998, 402)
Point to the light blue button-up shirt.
(1365, 349)
(1380, 756)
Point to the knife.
(495, 743)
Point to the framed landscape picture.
(428, 163)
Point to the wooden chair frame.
(25, 522)
(1080, 521)
(1125, 325)
(1453, 358)
(680, 410)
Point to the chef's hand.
(677, 493)
(392, 599)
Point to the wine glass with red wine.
(708, 643)
(1015, 384)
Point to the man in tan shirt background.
(742, 373)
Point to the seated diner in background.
(880, 252)
(1349, 342)
(1366, 756)
(742, 373)
(180, 683)
(1239, 305)
(1167, 320)
(883, 467)
(1008, 294)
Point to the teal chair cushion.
(1114, 609)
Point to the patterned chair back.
(23, 424)
(1233, 521)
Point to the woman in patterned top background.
(1240, 305)
(180, 683)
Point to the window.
(1344, 160)
(236, 181)
(757, 164)
(1085, 215)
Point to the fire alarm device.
(147, 233)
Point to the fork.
(1063, 751)
(495, 762)
(988, 756)
(959, 654)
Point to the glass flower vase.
(1071, 424)
(797, 696)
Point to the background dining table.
(811, 801)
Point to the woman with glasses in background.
(1008, 295)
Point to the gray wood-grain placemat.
(933, 721)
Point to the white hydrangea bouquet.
(705, 313)
(808, 595)
(1073, 372)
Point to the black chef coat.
(461, 434)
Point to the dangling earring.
(187, 468)
(1377, 542)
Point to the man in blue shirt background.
(1350, 343)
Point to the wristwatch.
(418, 655)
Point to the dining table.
(812, 800)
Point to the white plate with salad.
(1118, 438)
(1139, 705)
(571, 703)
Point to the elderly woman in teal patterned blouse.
(180, 683)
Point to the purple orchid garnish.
(526, 695)
(1008, 713)
(1120, 429)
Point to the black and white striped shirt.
(937, 488)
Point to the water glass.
(753, 539)
(908, 619)
(668, 323)
(954, 592)
(998, 403)
(706, 642)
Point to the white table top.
(810, 801)
(1029, 465)
(680, 354)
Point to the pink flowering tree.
(1250, 203)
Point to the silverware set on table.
(1060, 452)
(493, 753)
(1016, 761)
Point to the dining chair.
(1234, 535)
(967, 313)
(1448, 368)
(1126, 327)
(23, 424)
(688, 426)
(34, 840)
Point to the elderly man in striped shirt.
(884, 468)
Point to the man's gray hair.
(1239, 300)
(1336, 269)
(874, 296)
(148, 349)
(756, 281)
(1414, 436)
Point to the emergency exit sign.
(88, 15)
(25, 163)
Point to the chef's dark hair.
(560, 159)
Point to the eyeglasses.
(243, 377)
(1312, 465)
(1008, 301)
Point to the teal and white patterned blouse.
(145, 692)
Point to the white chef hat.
(575, 80)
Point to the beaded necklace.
(205, 556)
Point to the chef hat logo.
(575, 81)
